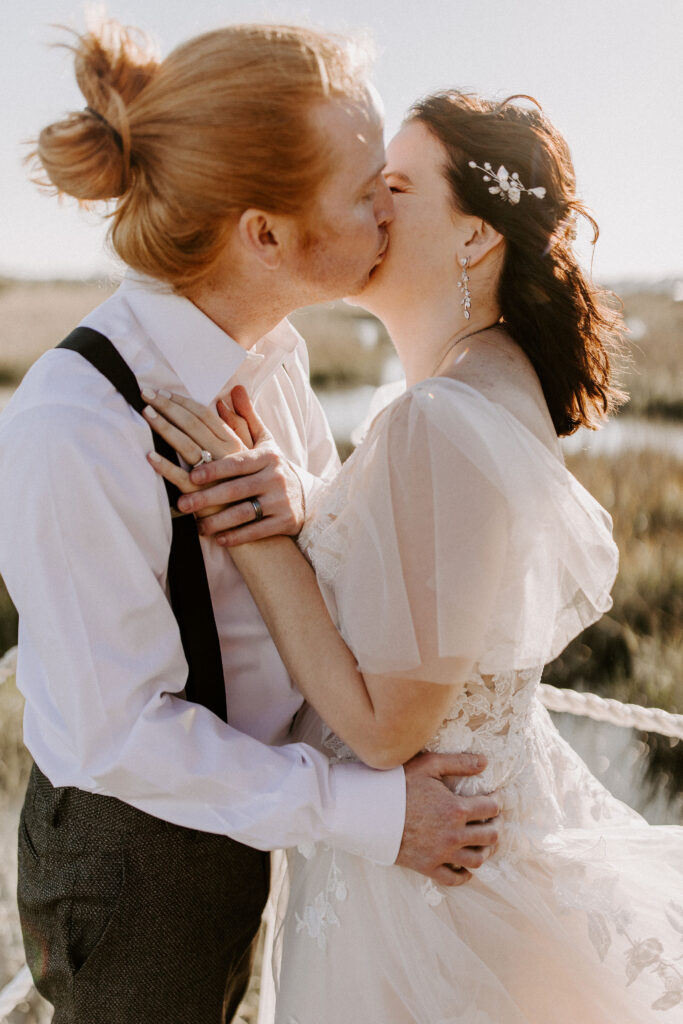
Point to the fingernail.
(198, 476)
(150, 412)
(164, 393)
(148, 394)
(154, 457)
(222, 541)
(185, 504)
(481, 761)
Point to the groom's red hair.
(186, 144)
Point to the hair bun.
(88, 154)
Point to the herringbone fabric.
(128, 919)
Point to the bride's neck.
(427, 337)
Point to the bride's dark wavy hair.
(567, 326)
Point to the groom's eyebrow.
(376, 174)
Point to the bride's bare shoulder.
(494, 364)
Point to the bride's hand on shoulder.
(247, 490)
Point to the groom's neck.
(242, 307)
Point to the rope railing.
(606, 709)
(587, 705)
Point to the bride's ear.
(482, 240)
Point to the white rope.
(605, 709)
(15, 992)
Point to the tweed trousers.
(128, 919)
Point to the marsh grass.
(635, 652)
(654, 373)
(347, 347)
(15, 762)
(35, 316)
(9, 622)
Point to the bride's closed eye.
(394, 186)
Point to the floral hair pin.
(507, 186)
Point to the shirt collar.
(203, 356)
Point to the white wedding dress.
(454, 544)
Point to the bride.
(455, 556)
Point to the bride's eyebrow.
(403, 178)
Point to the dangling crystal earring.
(464, 284)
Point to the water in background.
(345, 408)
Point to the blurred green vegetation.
(654, 376)
(635, 652)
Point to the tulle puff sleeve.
(456, 538)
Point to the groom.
(142, 879)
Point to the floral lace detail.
(606, 912)
(433, 894)
(335, 749)
(492, 716)
(319, 916)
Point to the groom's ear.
(259, 234)
(482, 240)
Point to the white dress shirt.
(85, 533)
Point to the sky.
(608, 73)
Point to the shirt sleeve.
(323, 462)
(84, 542)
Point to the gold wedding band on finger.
(258, 511)
(206, 457)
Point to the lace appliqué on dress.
(607, 916)
(320, 915)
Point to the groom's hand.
(446, 836)
(262, 473)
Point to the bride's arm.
(385, 720)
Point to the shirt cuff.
(369, 811)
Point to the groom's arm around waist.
(84, 541)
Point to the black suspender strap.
(188, 585)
